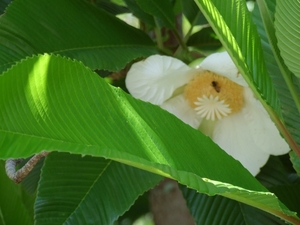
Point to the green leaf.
(192, 13)
(219, 210)
(15, 207)
(287, 89)
(139, 13)
(30, 182)
(111, 7)
(287, 20)
(163, 10)
(273, 173)
(205, 39)
(41, 26)
(296, 162)
(87, 190)
(60, 105)
(3, 5)
(290, 194)
(228, 19)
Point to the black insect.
(216, 86)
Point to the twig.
(18, 176)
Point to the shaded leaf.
(287, 20)
(139, 13)
(273, 173)
(102, 40)
(101, 190)
(30, 182)
(192, 12)
(3, 5)
(296, 162)
(59, 104)
(215, 210)
(276, 67)
(289, 194)
(162, 10)
(111, 7)
(205, 39)
(15, 207)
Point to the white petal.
(155, 79)
(234, 137)
(222, 64)
(264, 132)
(182, 110)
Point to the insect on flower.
(214, 98)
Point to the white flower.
(213, 98)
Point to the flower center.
(214, 96)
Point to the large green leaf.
(218, 210)
(15, 207)
(276, 69)
(232, 23)
(73, 28)
(52, 103)
(87, 190)
(287, 20)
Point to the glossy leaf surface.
(52, 107)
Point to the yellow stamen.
(214, 96)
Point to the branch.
(18, 176)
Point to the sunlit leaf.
(232, 23)
(58, 104)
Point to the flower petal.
(222, 64)
(263, 130)
(155, 79)
(233, 136)
(180, 107)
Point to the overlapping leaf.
(232, 23)
(287, 20)
(16, 207)
(225, 211)
(289, 109)
(51, 103)
(83, 190)
(73, 28)
(162, 10)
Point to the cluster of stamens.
(214, 96)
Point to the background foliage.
(63, 65)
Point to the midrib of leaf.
(88, 192)
(94, 183)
